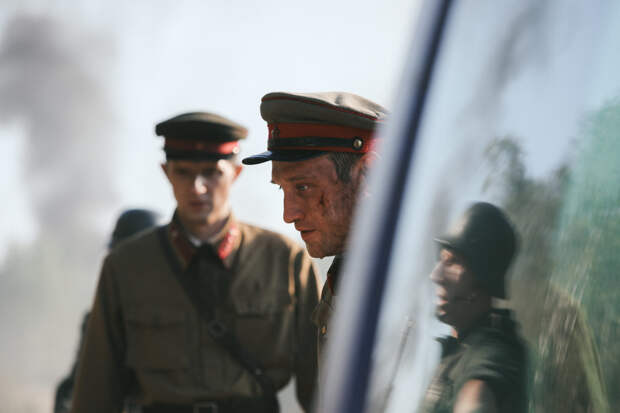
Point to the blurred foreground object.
(509, 78)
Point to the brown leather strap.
(218, 331)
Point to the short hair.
(234, 159)
(344, 163)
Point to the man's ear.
(165, 167)
(359, 173)
(238, 169)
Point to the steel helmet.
(131, 222)
(487, 240)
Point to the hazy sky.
(82, 85)
(150, 62)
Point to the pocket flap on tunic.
(262, 303)
(157, 339)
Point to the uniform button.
(357, 144)
(323, 330)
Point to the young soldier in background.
(205, 314)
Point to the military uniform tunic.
(147, 343)
(492, 352)
(323, 312)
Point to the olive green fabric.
(322, 314)
(327, 108)
(146, 342)
(321, 317)
(492, 352)
(201, 126)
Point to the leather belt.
(206, 407)
(233, 405)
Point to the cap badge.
(358, 144)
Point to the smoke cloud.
(52, 84)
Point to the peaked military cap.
(488, 242)
(200, 136)
(305, 125)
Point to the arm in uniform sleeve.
(307, 292)
(497, 365)
(101, 374)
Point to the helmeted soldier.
(130, 222)
(320, 145)
(483, 364)
(207, 313)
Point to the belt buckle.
(205, 407)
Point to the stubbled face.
(201, 189)
(456, 288)
(317, 203)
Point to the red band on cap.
(283, 131)
(222, 148)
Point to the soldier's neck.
(206, 230)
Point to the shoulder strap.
(220, 333)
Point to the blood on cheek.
(324, 204)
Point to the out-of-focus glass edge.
(345, 369)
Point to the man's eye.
(448, 261)
(302, 187)
(210, 173)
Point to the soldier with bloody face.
(320, 145)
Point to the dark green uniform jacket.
(322, 314)
(147, 343)
(492, 352)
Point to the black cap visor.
(451, 243)
(283, 156)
